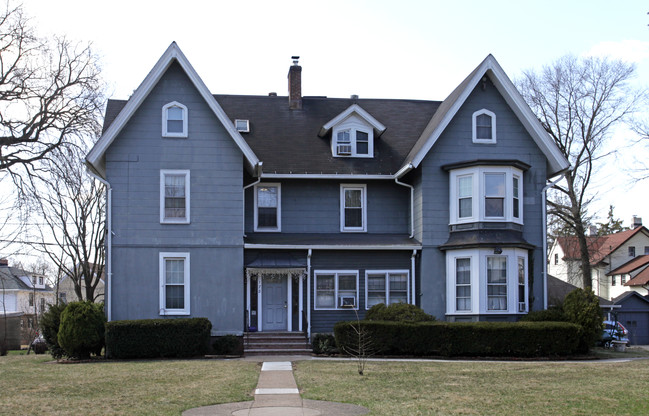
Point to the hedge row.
(459, 339)
(155, 338)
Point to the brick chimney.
(295, 85)
(4, 262)
(636, 222)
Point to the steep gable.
(452, 104)
(96, 158)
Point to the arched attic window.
(174, 120)
(484, 127)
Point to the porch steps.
(276, 343)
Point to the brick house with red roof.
(620, 261)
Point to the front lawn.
(31, 385)
(481, 388)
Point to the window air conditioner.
(521, 306)
(347, 301)
(344, 149)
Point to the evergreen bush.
(49, 323)
(582, 308)
(324, 344)
(227, 345)
(81, 331)
(400, 312)
(157, 338)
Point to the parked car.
(614, 331)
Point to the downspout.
(308, 293)
(244, 195)
(412, 288)
(412, 198)
(545, 239)
(109, 242)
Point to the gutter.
(109, 242)
(308, 293)
(545, 238)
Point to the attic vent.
(242, 126)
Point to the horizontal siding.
(313, 206)
(137, 155)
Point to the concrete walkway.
(277, 395)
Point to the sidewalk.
(277, 395)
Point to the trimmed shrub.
(227, 345)
(471, 339)
(324, 344)
(81, 331)
(157, 338)
(49, 323)
(400, 312)
(554, 314)
(582, 308)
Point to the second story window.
(174, 120)
(353, 208)
(486, 193)
(268, 207)
(352, 142)
(631, 251)
(174, 196)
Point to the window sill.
(172, 312)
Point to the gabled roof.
(630, 266)
(626, 295)
(352, 109)
(96, 158)
(598, 246)
(456, 99)
(11, 280)
(288, 143)
(640, 279)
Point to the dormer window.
(174, 120)
(353, 142)
(484, 127)
(352, 133)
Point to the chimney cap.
(295, 59)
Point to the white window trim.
(353, 124)
(186, 219)
(455, 284)
(386, 276)
(475, 127)
(479, 293)
(363, 189)
(478, 194)
(336, 273)
(246, 125)
(172, 255)
(279, 208)
(165, 133)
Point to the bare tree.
(50, 93)
(579, 101)
(72, 207)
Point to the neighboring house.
(67, 293)
(23, 294)
(291, 213)
(620, 261)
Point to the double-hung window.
(353, 208)
(631, 251)
(268, 207)
(486, 193)
(463, 284)
(174, 120)
(174, 284)
(522, 285)
(174, 196)
(386, 287)
(497, 283)
(336, 289)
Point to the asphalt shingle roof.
(287, 140)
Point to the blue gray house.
(287, 213)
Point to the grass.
(32, 384)
(481, 388)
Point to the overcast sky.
(375, 49)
